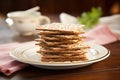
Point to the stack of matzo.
(61, 42)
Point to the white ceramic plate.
(27, 54)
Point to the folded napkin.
(101, 35)
(7, 64)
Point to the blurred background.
(53, 8)
(73, 7)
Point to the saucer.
(26, 53)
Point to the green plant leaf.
(89, 19)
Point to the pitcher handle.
(44, 20)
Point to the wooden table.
(108, 69)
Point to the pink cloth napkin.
(101, 35)
(7, 64)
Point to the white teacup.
(24, 23)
